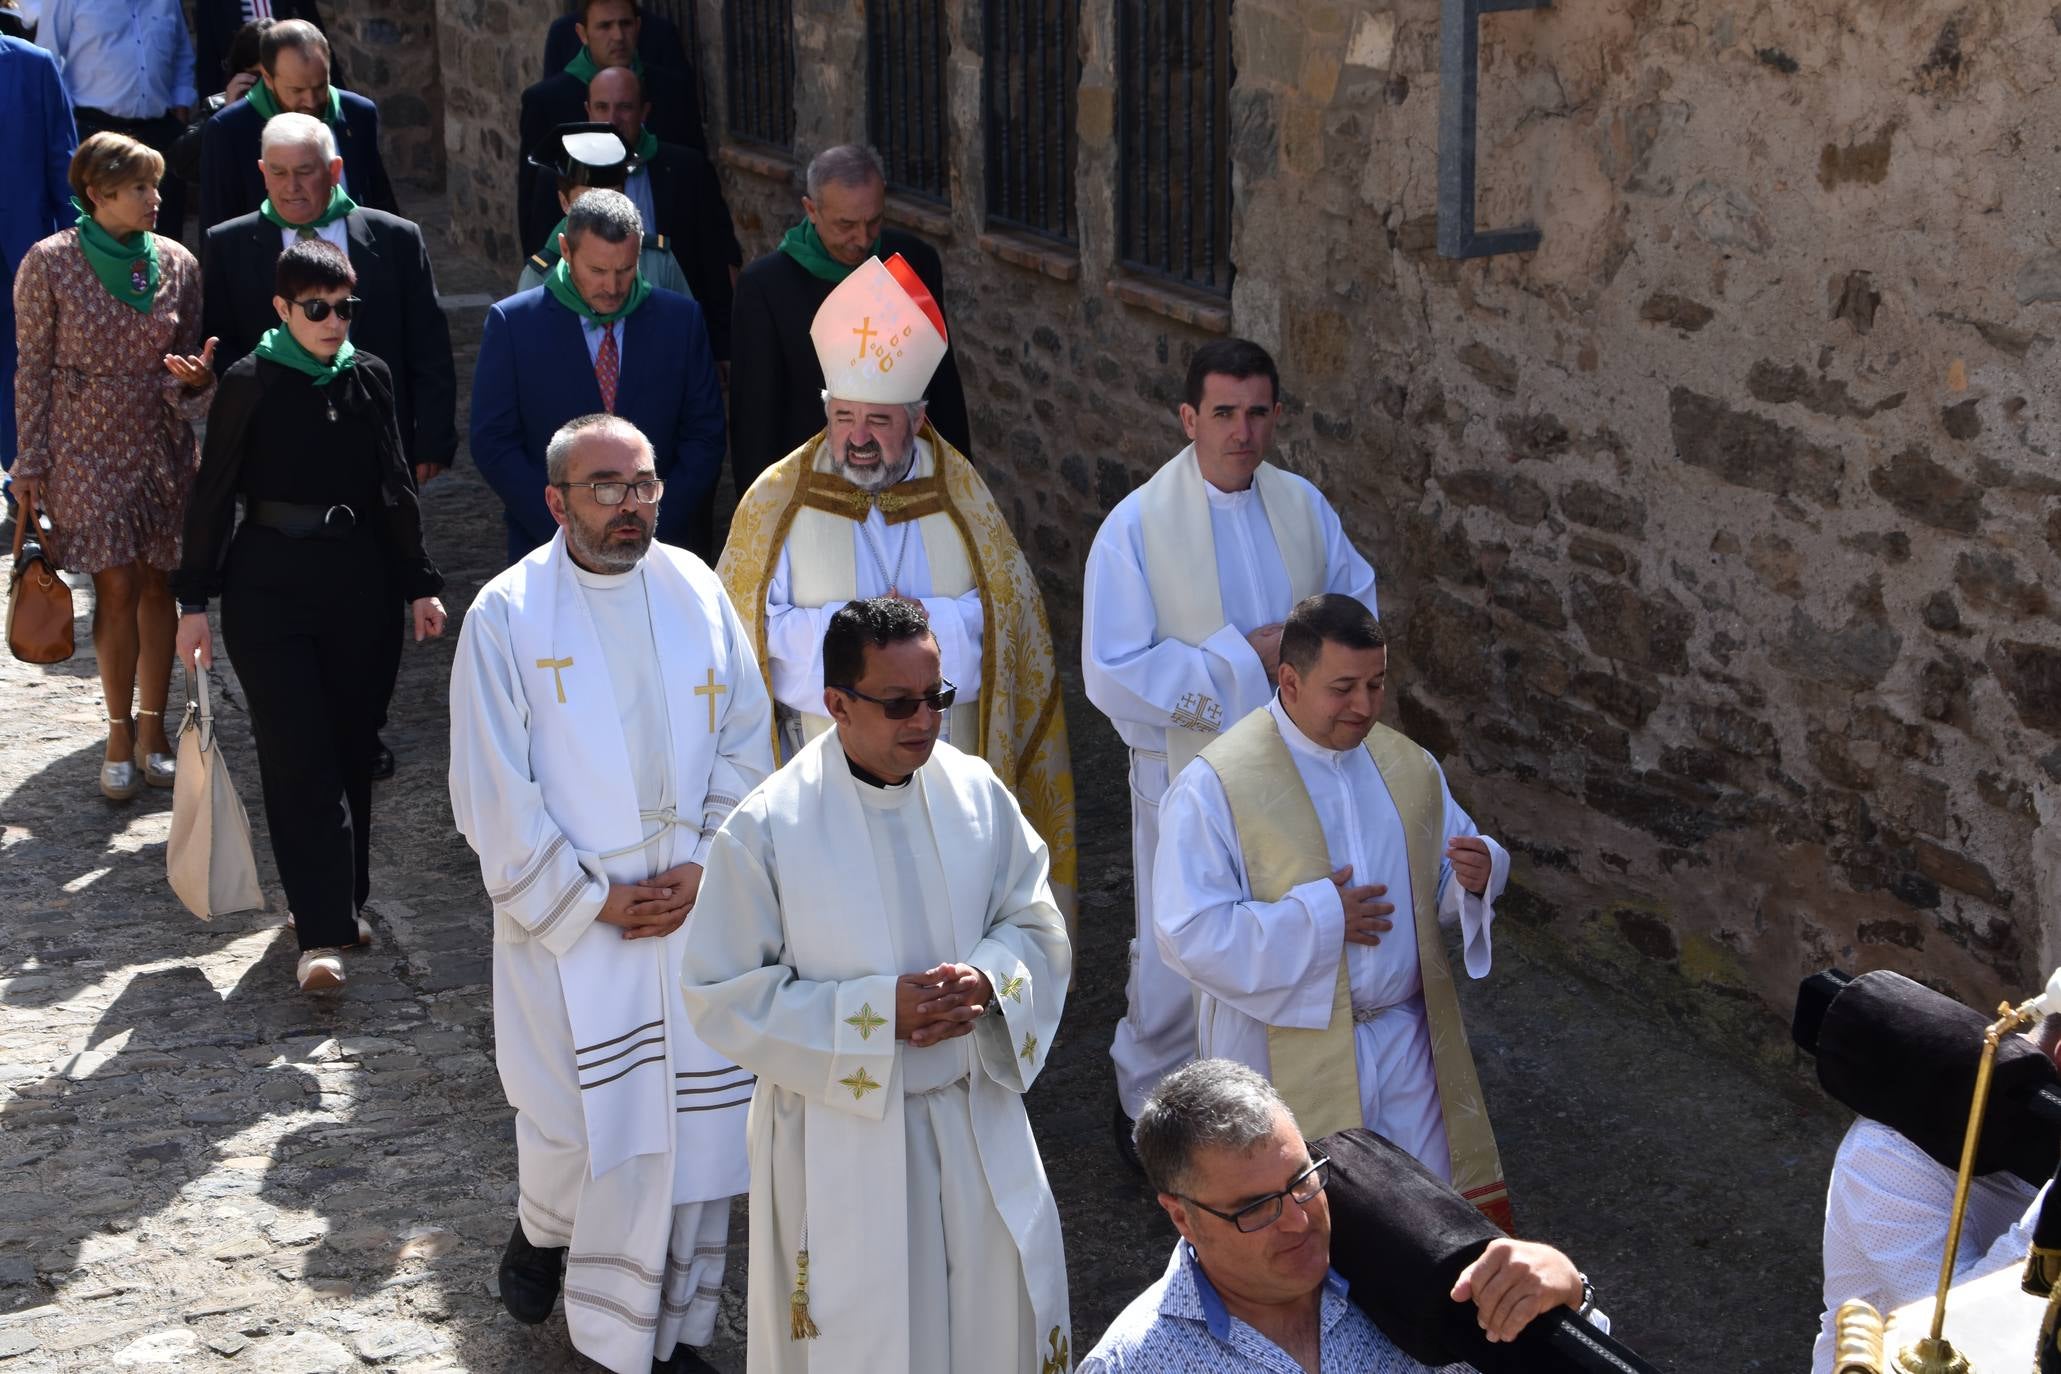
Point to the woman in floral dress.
(107, 317)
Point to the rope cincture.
(801, 1326)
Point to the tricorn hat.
(586, 154)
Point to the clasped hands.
(1366, 915)
(658, 906)
(939, 1003)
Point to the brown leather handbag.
(39, 604)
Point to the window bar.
(1209, 146)
(1188, 138)
(1166, 138)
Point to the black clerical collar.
(872, 779)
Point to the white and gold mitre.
(879, 335)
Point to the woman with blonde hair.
(111, 379)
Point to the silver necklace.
(894, 579)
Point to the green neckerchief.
(647, 146)
(560, 284)
(805, 246)
(260, 98)
(583, 66)
(126, 267)
(280, 346)
(339, 206)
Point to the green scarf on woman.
(339, 206)
(559, 283)
(260, 98)
(126, 267)
(583, 66)
(805, 246)
(278, 345)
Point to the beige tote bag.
(209, 860)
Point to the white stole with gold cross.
(1187, 603)
(834, 917)
(628, 1027)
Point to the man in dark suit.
(398, 319)
(609, 31)
(295, 79)
(658, 41)
(597, 337)
(215, 23)
(776, 384)
(35, 159)
(674, 188)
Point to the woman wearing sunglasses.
(304, 431)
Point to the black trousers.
(160, 133)
(309, 625)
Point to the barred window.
(1032, 75)
(906, 50)
(686, 17)
(758, 38)
(1174, 155)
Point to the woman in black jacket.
(304, 431)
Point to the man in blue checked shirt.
(1250, 1288)
(128, 66)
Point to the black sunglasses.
(317, 310)
(901, 708)
(1261, 1213)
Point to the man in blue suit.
(35, 157)
(597, 337)
(294, 58)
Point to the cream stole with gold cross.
(1174, 522)
(1282, 844)
(823, 557)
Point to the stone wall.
(1713, 535)
(389, 50)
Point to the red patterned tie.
(608, 368)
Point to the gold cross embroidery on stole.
(557, 667)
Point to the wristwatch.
(1588, 1297)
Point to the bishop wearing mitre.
(878, 504)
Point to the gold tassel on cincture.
(801, 1326)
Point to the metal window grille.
(1174, 158)
(1032, 73)
(906, 48)
(758, 40)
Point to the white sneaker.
(319, 970)
(364, 930)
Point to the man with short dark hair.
(215, 25)
(596, 336)
(593, 157)
(605, 716)
(1250, 1286)
(1172, 657)
(885, 954)
(776, 382)
(293, 58)
(1284, 849)
(609, 32)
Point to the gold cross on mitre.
(557, 667)
(711, 689)
(866, 332)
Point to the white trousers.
(1157, 1034)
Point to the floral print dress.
(102, 425)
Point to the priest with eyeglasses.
(884, 951)
(606, 715)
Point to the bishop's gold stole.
(1282, 843)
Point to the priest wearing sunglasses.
(304, 431)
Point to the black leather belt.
(298, 521)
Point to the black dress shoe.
(685, 1359)
(382, 760)
(1121, 1125)
(530, 1278)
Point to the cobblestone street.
(205, 1169)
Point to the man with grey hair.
(293, 78)
(397, 318)
(1250, 1285)
(776, 384)
(597, 336)
(606, 716)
